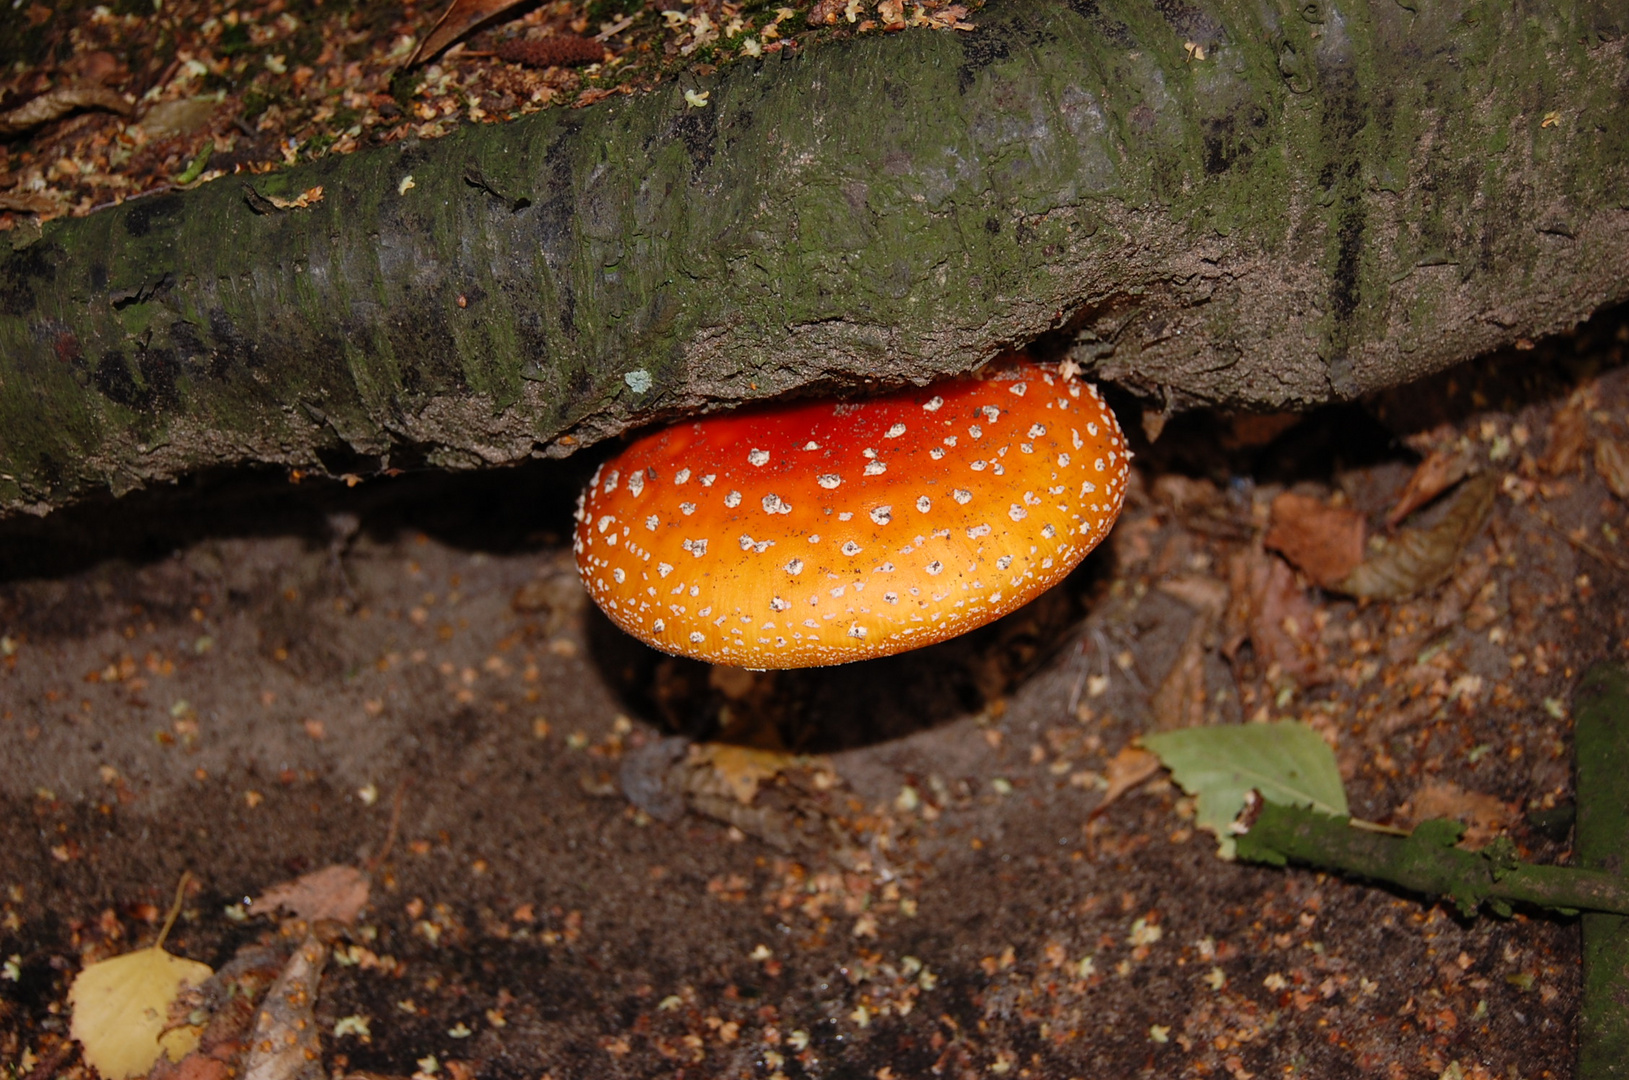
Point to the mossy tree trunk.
(1247, 202)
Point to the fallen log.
(1208, 202)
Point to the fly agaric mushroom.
(818, 533)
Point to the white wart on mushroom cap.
(823, 533)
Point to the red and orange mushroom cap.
(821, 533)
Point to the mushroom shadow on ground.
(828, 709)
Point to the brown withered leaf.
(1130, 767)
(1206, 595)
(1612, 462)
(460, 18)
(1441, 470)
(1324, 541)
(1416, 559)
(30, 202)
(1179, 701)
(1569, 432)
(60, 102)
(1280, 623)
(1484, 815)
(334, 892)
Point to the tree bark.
(1219, 201)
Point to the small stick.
(175, 908)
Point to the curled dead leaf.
(1417, 559)
(275, 204)
(60, 102)
(1324, 541)
(1440, 470)
(460, 18)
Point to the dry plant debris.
(132, 100)
(337, 893)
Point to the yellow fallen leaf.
(742, 769)
(121, 1007)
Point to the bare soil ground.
(251, 679)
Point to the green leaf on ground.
(1288, 763)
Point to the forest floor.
(100, 103)
(889, 869)
(903, 868)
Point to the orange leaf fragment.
(742, 769)
(1440, 471)
(1485, 815)
(1129, 768)
(1325, 542)
(334, 892)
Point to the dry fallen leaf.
(1324, 541)
(59, 102)
(460, 18)
(741, 770)
(1206, 595)
(1441, 470)
(180, 117)
(334, 892)
(274, 204)
(1612, 462)
(1179, 701)
(1416, 559)
(1485, 815)
(1272, 609)
(1569, 432)
(308, 197)
(121, 1007)
(1129, 768)
(30, 202)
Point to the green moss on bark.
(1236, 203)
